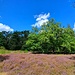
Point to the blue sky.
(23, 14)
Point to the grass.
(3, 51)
(3, 73)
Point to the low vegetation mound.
(37, 64)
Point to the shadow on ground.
(2, 58)
(72, 58)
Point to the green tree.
(51, 38)
(13, 40)
(1, 39)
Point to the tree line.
(13, 40)
(51, 37)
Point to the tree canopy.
(51, 37)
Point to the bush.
(1, 47)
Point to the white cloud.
(74, 27)
(4, 27)
(40, 19)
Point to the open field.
(36, 64)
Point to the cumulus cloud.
(74, 27)
(40, 19)
(4, 27)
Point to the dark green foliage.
(1, 39)
(13, 41)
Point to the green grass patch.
(3, 51)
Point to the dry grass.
(3, 73)
(37, 64)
